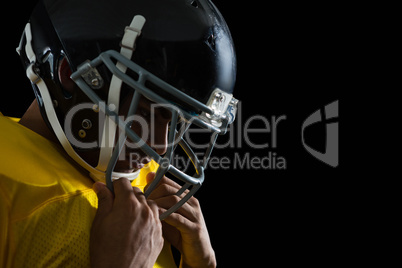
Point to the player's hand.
(126, 231)
(185, 229)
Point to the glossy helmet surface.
(175, 52)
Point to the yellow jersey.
(47, 204)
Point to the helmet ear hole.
(64, 74)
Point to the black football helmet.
(176, 53)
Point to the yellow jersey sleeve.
(47, 204)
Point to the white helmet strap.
(128, 47)
(109, 130)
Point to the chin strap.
(130, 176)
(128, 47)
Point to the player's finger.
(182, 223)
(105, 199)
(163, 190)
(169, 201)
(151, 176)
(165, 187)
(139, 194)
(123, 190)
(154, 207)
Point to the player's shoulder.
(29, 163)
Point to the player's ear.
(64, 76)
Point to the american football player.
(86, 175)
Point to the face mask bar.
(140, 89)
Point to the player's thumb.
(150, 177)
(105, 198)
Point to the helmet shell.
(185, 43)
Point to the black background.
(291, 61)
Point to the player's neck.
(33, 120)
